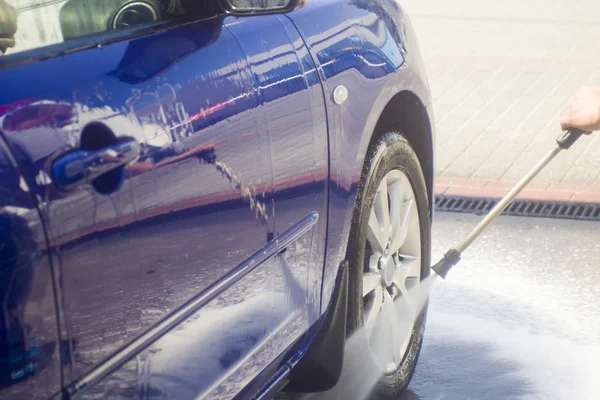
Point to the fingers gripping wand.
(452, 256)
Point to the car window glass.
(31, 24)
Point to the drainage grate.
(527, 208)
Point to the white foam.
(551, 367)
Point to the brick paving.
(501, 76)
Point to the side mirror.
(257, 7)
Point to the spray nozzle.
(450, 259)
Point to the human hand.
(8, 26)
(584, 113)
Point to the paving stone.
(579, 174)
(502, 75)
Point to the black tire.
(392, 151)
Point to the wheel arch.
(406, 114)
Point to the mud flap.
(321, 366)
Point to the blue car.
(208, 198)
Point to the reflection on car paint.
(215, 353)
(121, 273)
(29, 350)
(240, 140)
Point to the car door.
(181, 168)
(29, 350)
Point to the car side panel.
(368, 46)
(216, 344)
(292, 102)
(237, 328)
(29, 344)
(199, 272)
(129, 259)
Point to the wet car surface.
(178, 182)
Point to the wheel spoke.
(395, 190)
(404, 331)
(408, 214)
(378, 342)
(374, 234)
(400, 283)
(372, 314)
(412, 244)
(371, 281)
(406, 303)
(409, 268)
(382, 212)
(399, 333)
(389, 328)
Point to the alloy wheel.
(392, 268)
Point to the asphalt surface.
(518, 318)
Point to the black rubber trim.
(567, 139)
(450, 259)
(320, 367)
(524, 208)
(272, 387)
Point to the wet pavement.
(518, 318)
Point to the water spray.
(453, 255)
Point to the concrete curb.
(538, 191)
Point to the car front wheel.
(389, 254)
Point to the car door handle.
(83, 166)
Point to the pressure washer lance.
(452, 256)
